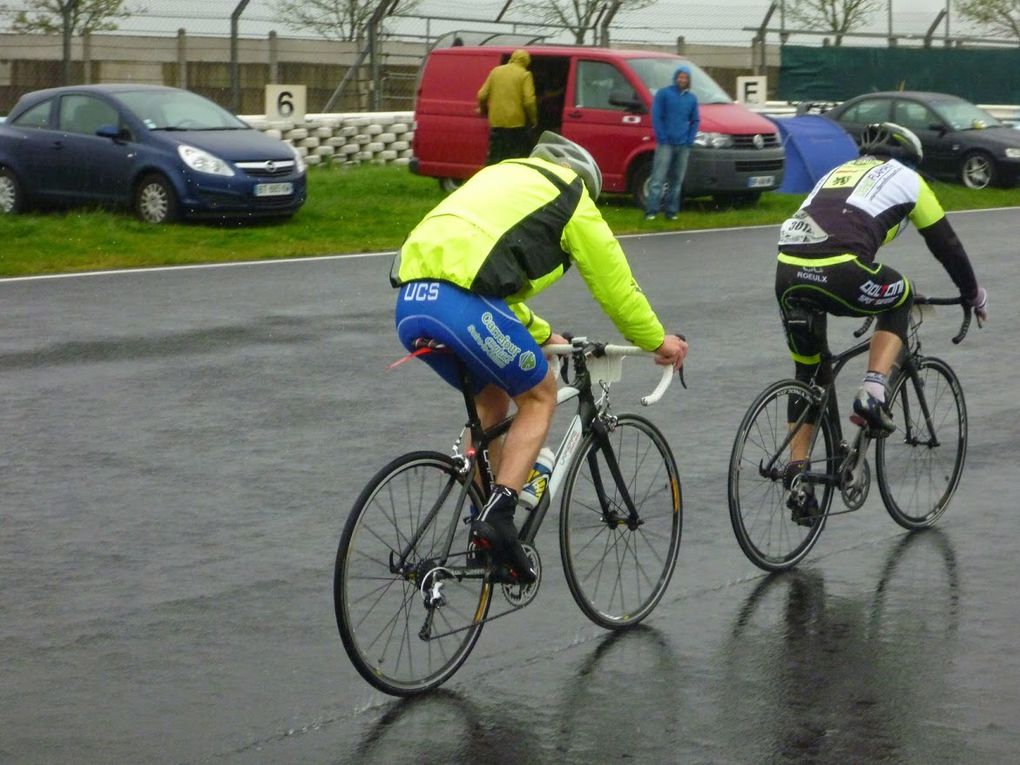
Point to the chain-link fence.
(230, 49)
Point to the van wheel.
(155, 200)
(639, 179)
(449, 185)
(740, 199)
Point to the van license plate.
(277, 189)
(758, 181)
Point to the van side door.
(605, 114)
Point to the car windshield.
(658, 72)
(963, 115)
(178, 110)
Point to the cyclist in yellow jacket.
(464, 273)
(508, 99)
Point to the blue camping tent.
(814, 145)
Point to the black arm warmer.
(946, 247)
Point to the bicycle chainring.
(520, 595)
(855, 486)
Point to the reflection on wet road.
(180, 450)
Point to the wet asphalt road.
(180, 448)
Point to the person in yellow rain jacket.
(463, 275)
(508, 99)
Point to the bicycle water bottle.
(538, 480)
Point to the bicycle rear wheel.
(762, 521)
(919, 465)
(404, 514)
(618, 570)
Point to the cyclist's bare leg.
(801, 442)
(885, 349)
(493, 404)
(511, 458)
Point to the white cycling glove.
(980, 304)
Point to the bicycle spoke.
(618, 565)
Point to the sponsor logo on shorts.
(881, 294)
(813, 275)
(421, 292)
(497, 346)
(527, 361)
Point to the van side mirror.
(628, 100)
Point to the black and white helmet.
(555, 148)
(887, 139)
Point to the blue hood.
(682, 68)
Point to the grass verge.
(360, 209)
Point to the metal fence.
(229, 49)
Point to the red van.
(600, 98)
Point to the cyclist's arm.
(931, 222)
(604, 268)
(537, 327)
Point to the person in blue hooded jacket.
(675, 120)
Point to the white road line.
(388, 253)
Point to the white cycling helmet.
(555, 148)
(891, 140)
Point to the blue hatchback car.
(165, 152)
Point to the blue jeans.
(668, 166)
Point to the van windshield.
(658, 72)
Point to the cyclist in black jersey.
(827, 265)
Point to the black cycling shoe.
(495, 529)
(801, 501)
(872, 414)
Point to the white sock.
(874, 384)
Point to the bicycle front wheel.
(618, 568)
(391, 554)
(762, 520)
(919, 465)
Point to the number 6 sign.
(286, 102)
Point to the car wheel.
(977, 170)
(155, 200)
(12, 200)
(449, 185)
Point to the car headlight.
(1013, 153)
(203, 162)
(299, 161)
(713, 140)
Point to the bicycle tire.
(378, 612)
(916, 479)
(618, 574)
(759, 515)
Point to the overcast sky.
(719, 21)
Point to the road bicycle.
(412, 592)
(917, 467)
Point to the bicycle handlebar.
(967, 312)
(614, 351)
(922, 300)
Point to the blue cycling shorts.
(482, 332)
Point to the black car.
(961, 141)
(166, 152)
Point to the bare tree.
(75, 17)
(334, 19)
(999, 17)
(836, 16)
(576, 15)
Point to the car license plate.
(273, 189)
(758, 181)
